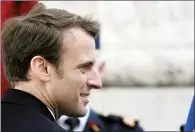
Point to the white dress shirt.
(51, 113)
(82, 124)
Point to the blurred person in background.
(49, 57)
(95, 121)
(189, 126)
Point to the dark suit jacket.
(22, 112)
(110, 123)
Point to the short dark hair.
(38, 33)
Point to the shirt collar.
(83, 120)
(51, 113)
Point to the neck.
(37, 90)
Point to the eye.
(86, 68)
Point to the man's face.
(70, 88)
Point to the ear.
(39, 68)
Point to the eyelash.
(85, 68)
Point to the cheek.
(79, 78)
(75, 81)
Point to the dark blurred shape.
(181, 128)
(97, 42)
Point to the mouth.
(84, 94)
(85, 97)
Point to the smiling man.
(49, 58)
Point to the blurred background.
(145, 55)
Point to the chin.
(83, 111)
(79, 112)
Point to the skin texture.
(65, 91)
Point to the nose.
(94, 79)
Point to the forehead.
(78, 44)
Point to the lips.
(84, 97)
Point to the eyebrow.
(91, 63)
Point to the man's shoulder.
(29, 124)
(32, 128)
(115, 122)
(20, 118)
